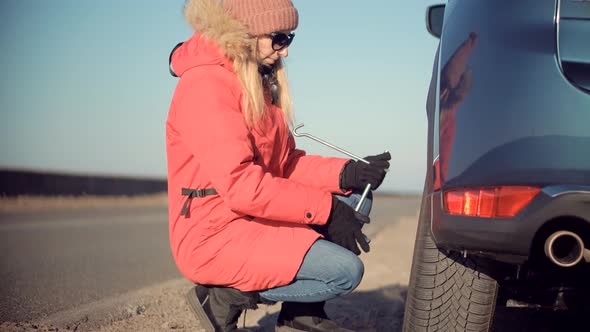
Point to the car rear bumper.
(510, 239)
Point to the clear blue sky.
(86, 89)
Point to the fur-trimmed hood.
(218, 38)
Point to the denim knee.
(353, 199)
(350, 272)
(328, 270)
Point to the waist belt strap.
(192, 193)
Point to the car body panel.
(508, 113)
(509, 239)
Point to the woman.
(242, 199)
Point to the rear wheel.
(447, 292)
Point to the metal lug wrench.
(353, 156)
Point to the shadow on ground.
(377, 310)
(383, 310)
(518, 319)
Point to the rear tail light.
(488, 202)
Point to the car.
(505, 212)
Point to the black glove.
(356, 174)
(344, 227)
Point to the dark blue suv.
(505, 214)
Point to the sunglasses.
(281, 40)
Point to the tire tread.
(447, 291)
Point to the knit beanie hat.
(264, 16)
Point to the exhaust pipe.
(566, 249)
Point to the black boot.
(218, 308)
(310, 317)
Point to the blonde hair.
(253, 90)
(209, 18)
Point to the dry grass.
(42, 203)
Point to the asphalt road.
(58, 260)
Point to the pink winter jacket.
(254, 234)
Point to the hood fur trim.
(209, 18)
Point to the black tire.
(447, 292)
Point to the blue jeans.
(328, 270)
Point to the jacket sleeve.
(212, 127)
(317, 171)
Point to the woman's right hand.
(357, 174)
(344, 227)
